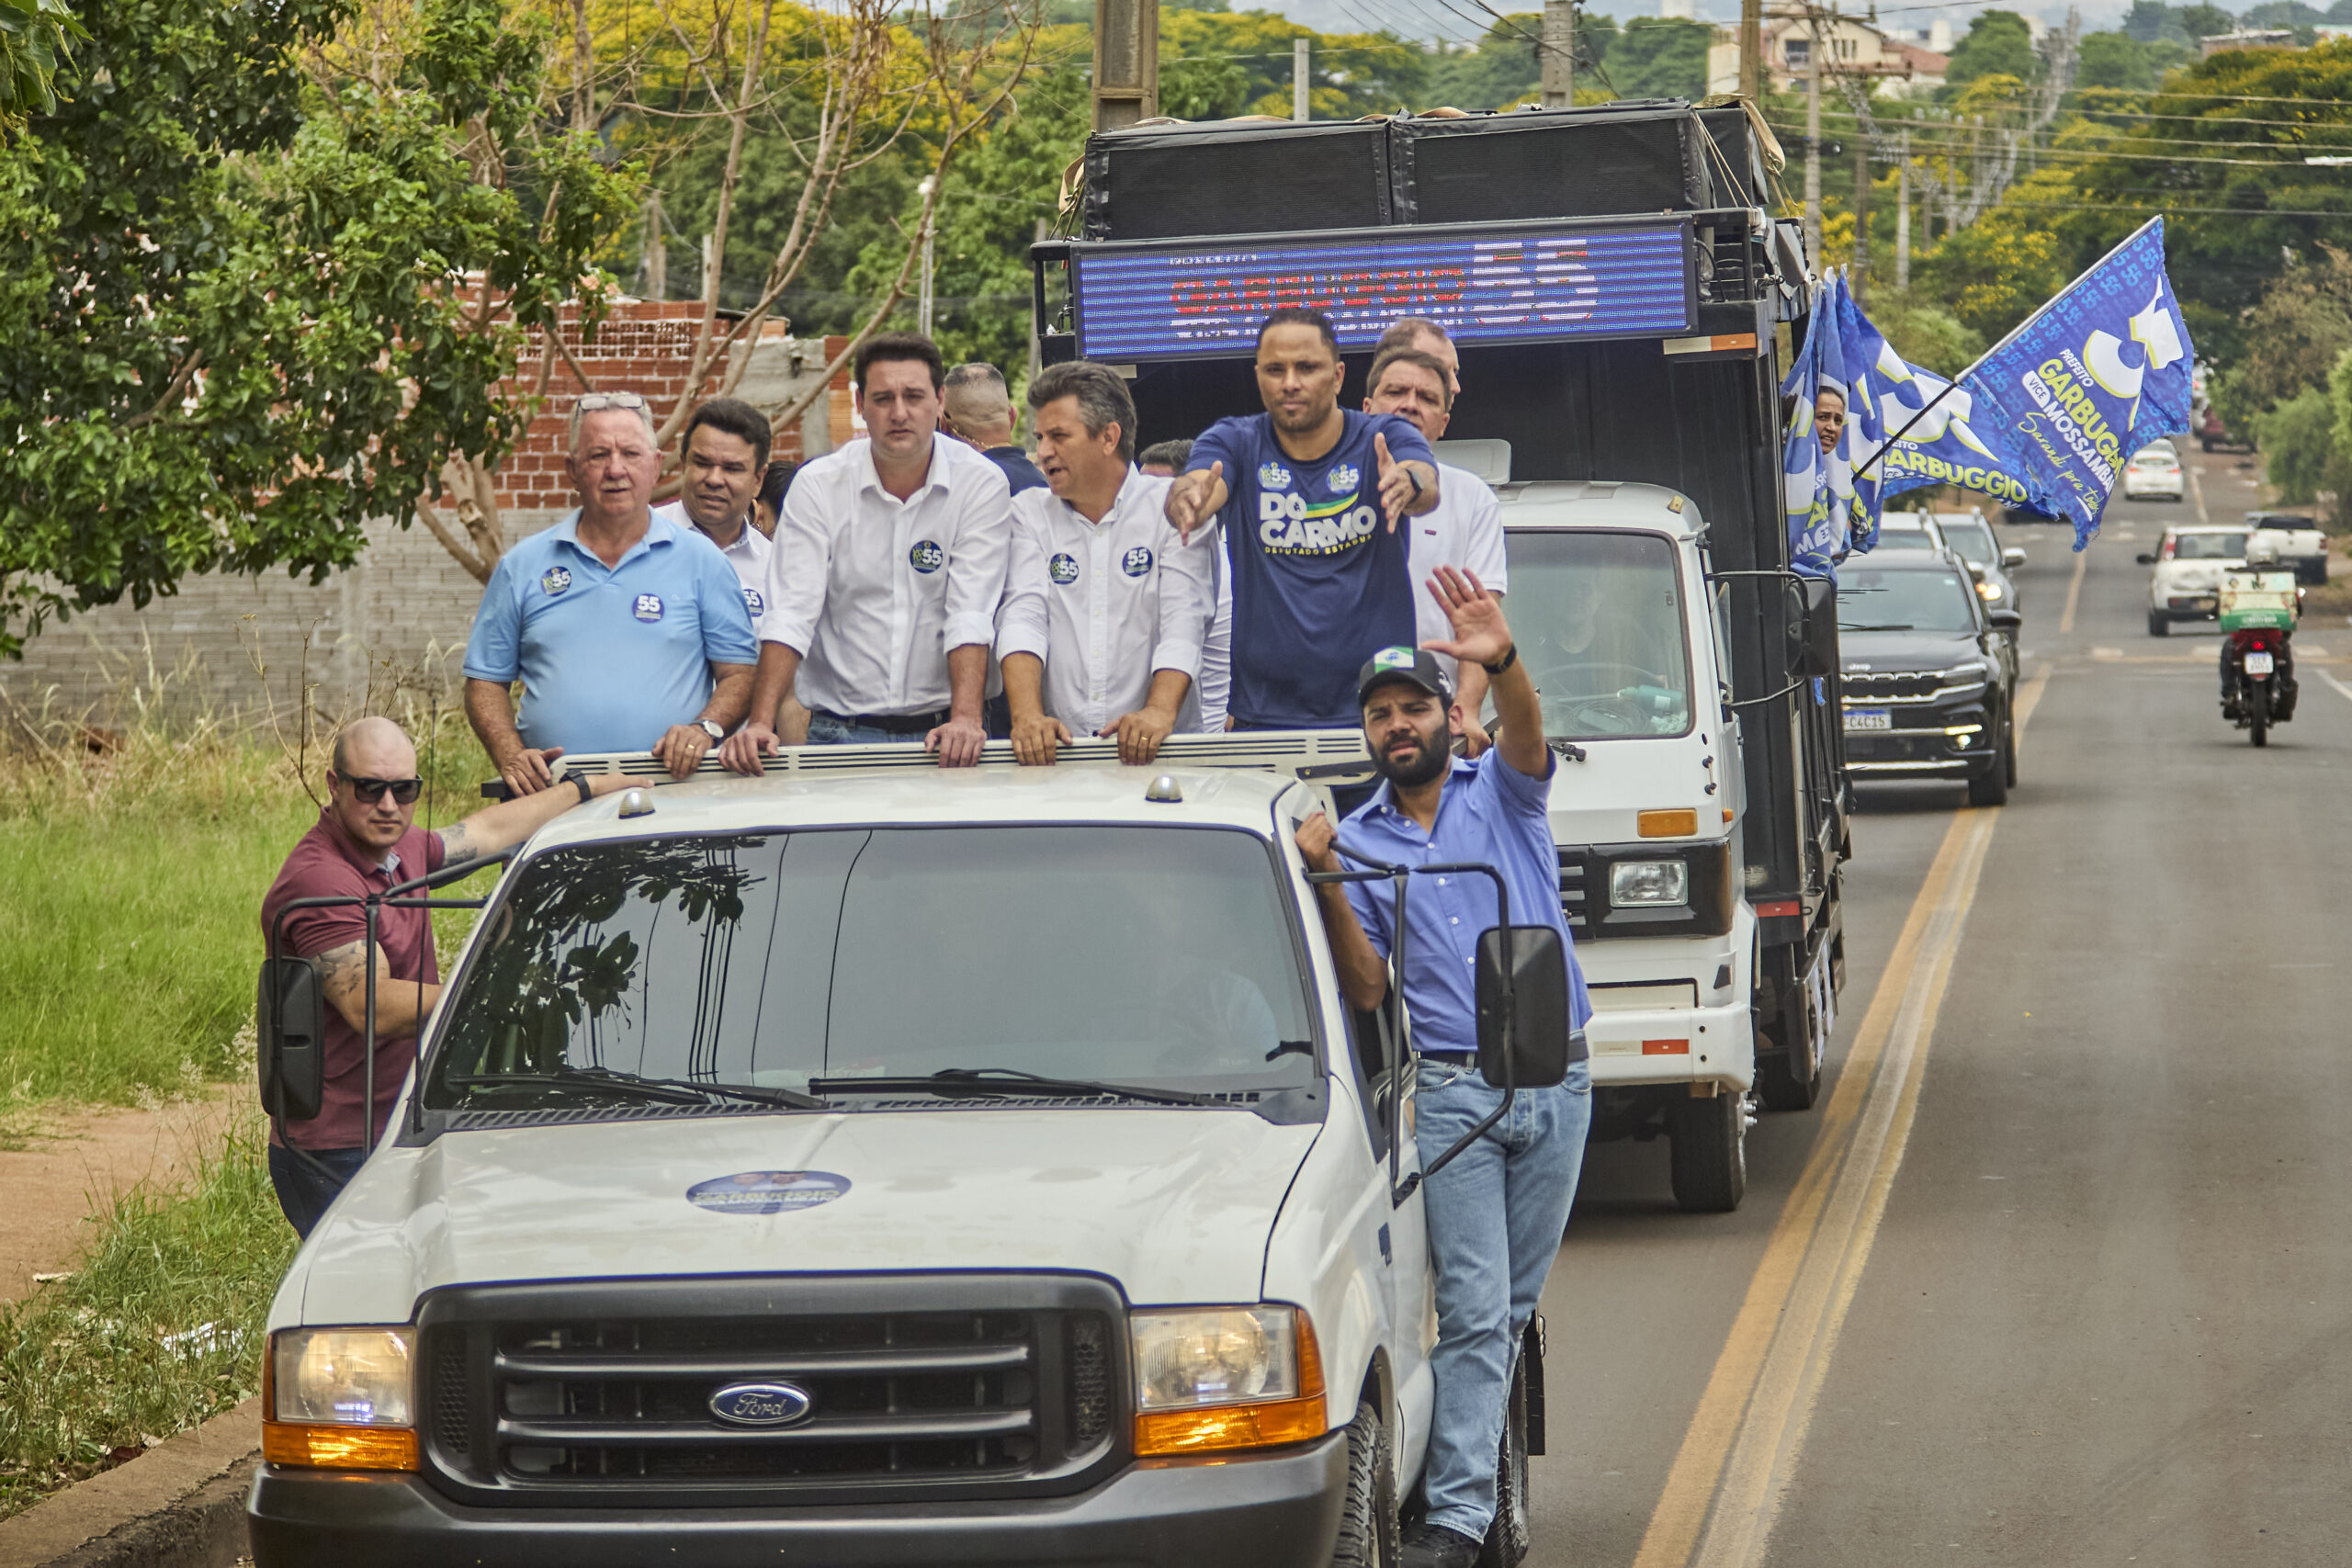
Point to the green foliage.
(1997, 44)
(236, 305)
(1924, 332)
(2115, 60)
(36, 36)
(1654, 57)
(157, 1330)
(2297, 438)
(1350, 75)
(1501, 71)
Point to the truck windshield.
(1152, 956)
(1599, 624)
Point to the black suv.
(1929, 675)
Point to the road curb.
(181, 1504)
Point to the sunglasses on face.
(404, 791)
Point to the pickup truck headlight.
(1639, 883)
(340, 1399)
(1211, 1379)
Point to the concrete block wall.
(400, 616)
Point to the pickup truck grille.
(604, 1397)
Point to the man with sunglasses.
(366, 840)
(627, 631)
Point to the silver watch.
(712, 728)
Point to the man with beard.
(1308, 495)
(1497, 1212)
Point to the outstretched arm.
(1482, 637)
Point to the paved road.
(2060, 1271)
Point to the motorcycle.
(2259, 603)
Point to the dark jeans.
(304, 1191)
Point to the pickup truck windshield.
(1599, 624)
(1156, 956)
(1903, 601)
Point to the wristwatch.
(587, 789)
(1509, 657)
(712, 728)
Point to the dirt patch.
(69, 1170)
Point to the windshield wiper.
(1001, 1082)
(666, 1091)
(1889, 626)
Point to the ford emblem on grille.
(761, 1404)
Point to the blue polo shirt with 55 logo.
(609, 657)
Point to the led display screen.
(1537, 283)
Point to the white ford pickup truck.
(878, 1164)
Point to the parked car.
(2154, 474)
(2295, 542)
(1908, 531)
(1972, 538)
(1929, 675)
(2187, 582)
(2212, 437)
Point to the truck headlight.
(340, 1399)
(1649, 882)
(1989, 591)
(1223, 1378)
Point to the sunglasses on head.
(404, 791)
(597, 403)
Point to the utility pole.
(1860, 271)
(924, 299)
(1813, 149)
(1559, 54)
(1751, 50)
(1903, 217)
(1298, 109)
(1127, 62)
(657, 250)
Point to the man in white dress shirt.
(1105, 607)
(884, 583)
(1465, 530)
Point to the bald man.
(366, 840)
(976, 408)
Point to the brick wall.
(400, 615)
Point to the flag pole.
(2014, 334)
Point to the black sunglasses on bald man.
(404, 790)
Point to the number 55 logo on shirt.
(649, 607)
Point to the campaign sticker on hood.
(766, 1191)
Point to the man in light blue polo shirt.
(1496, 1213)
(627, 631)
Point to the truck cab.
(876, 1163)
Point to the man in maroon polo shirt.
(366, 840)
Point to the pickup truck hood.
(1175, 1205)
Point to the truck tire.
(1709, 1157)
(2010, 755)
(1506, 1539)
(2158, 625)
(1991, 787)
(1369, 1533)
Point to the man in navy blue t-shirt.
(1308, 495)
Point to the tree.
(2298, 440)
(1500, 71)
(1999, 43)
(35, 40)
(248, 309)
(1655, 57)
(2115, 60)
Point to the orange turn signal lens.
(338, 1448)
(1677, 824)
(1260, 1424)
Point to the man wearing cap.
(1497, 1212)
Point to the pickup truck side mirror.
(2005, 620)
(1816, 629)
(2011, 559)
(1532, 1051)
(290, 1014)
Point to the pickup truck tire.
(1991, 787)
(1370, 1536)
(2158, 625)
(1507, 1542)
(1709, 1159)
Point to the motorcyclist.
(2261, 555)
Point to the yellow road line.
(1724, 1492)
(2074, 592)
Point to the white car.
(2187, 582)
(1909, 531)
(2153, 474)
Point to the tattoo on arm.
(458, 845)
(342, 977)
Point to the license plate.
(1869, 718)
(2257, 664)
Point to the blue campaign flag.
(2090, 378)
(1858, 484)
(1925, 426)
(1816, 512)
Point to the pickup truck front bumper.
(1278, 1510)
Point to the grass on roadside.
(159, 1328)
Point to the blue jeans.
(825, 729)
(1495, 1219)
(304, 1192)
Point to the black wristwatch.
(587, 789)
(1509, 657)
